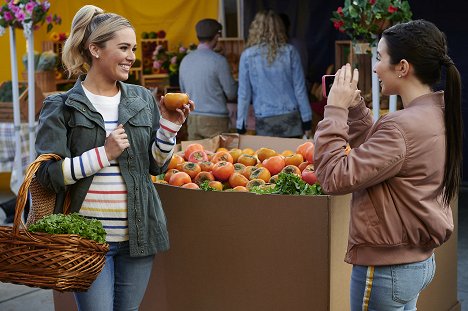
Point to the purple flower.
(49, 19)
(174, 60)
(182, 49)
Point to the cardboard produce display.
(236, 251)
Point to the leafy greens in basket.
(71, 224)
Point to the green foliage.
(290, 184)
(204, 186)
(47, 61)
(71, 224)
(6, 92)
(44, 61)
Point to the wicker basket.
(63, 262)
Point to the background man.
(206, 77)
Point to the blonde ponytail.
(75, 54)
(90, 25)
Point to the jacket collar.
(435, 98)
(128, 107)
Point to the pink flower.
(392, 9)
(156, 64)
(49, 19)
(13, 7)
(182, 49)
(30, 7)
(174, 60)
(7, 16)
(158, 50)
(339, 10)
(20, 16)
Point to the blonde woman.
(271, 77)
(111, 137)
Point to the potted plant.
(365, 20)
(45, 64)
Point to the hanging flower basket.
(365, 20)
(19, 12)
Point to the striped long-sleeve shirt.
(106, 198)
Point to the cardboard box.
(240, 251)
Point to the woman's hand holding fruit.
(175, 107)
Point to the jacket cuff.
(334, 113)
(359, 111)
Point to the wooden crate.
(6, 108)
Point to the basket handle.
(23, 191)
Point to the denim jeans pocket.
(408, 280)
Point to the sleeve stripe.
(83, 173)
(98, 158)
(167, 129)
(72, 169)
(164, 151)
(165, 142)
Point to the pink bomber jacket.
(394, 172)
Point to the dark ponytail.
(423, 45)
(454, 132)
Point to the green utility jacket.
(69, 125)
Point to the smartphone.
(327, 82)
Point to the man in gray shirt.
(206, 77)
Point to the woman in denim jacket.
(111, 137)
(271, 77)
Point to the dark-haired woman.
(111, 137)
(403, 170)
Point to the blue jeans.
(384, 288)
(121, 284)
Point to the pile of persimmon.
(237, 169)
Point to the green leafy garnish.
(290, 184)
(71, 224)
(204, 186)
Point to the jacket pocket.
(365, 208)
(80, 126)
(80, 120)
(140, 132)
